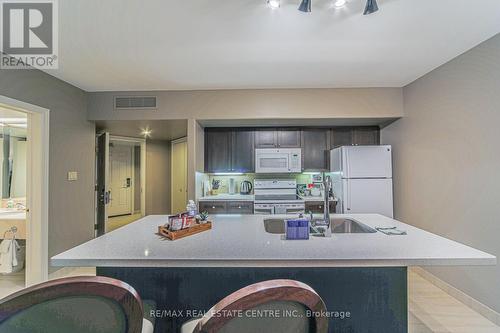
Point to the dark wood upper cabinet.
(366, 135)
(218, 150)
(243, 151)
(316, 149)
(342, 136)
(229, 150)
(289, 138)
(266, 138)
(277, 138)
(233, 150)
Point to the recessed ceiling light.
(273, 3)
(339, 3)
(146, 132)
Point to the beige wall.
(447, 161)
(281, 104)
(137, 178)
(196, 155)
(257, 104)
(157, 177)
(72, 148)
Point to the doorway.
(120, 181)
(179, 176)
(24, 191)
(120, 176)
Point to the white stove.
(277, 196)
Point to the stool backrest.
(269, 306)
(84, 304)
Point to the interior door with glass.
(102, 190)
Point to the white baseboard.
(474, 304)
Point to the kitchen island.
(360, 273)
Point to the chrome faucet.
(327, 185)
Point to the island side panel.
(376, 298)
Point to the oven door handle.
(263, 210)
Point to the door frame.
(172, 143)
(142, 144)
(37, 189)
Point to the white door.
(367, 196)
(179, 176)
(367, 162)
(120, 175)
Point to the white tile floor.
(11, 283)
(431, 310)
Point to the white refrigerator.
(362, 179)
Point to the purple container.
(297, 229)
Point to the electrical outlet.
(72, 176)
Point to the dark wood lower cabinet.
(213, 207)
(317, 207)
(240, 207)
(226, 207)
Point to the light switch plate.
(72, 176)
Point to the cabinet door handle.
(213, 207)
(239, 207)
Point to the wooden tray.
(173, 235)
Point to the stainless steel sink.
(349, 226)
(274, 226)
(339, 226)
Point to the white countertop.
(228, 197)
(241, 241)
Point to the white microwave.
(286, 160)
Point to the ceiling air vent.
(135, 102)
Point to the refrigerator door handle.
(348, 195)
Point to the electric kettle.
(246, 187)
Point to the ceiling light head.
(305, 6)
(339, 3)
(274, 4)
(371, 7)
(146, 132)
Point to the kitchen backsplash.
(224, 179)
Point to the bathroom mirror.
(13, 156)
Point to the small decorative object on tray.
(202, 217)
(183, 225)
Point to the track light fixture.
(305, 6)
(371, 7)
